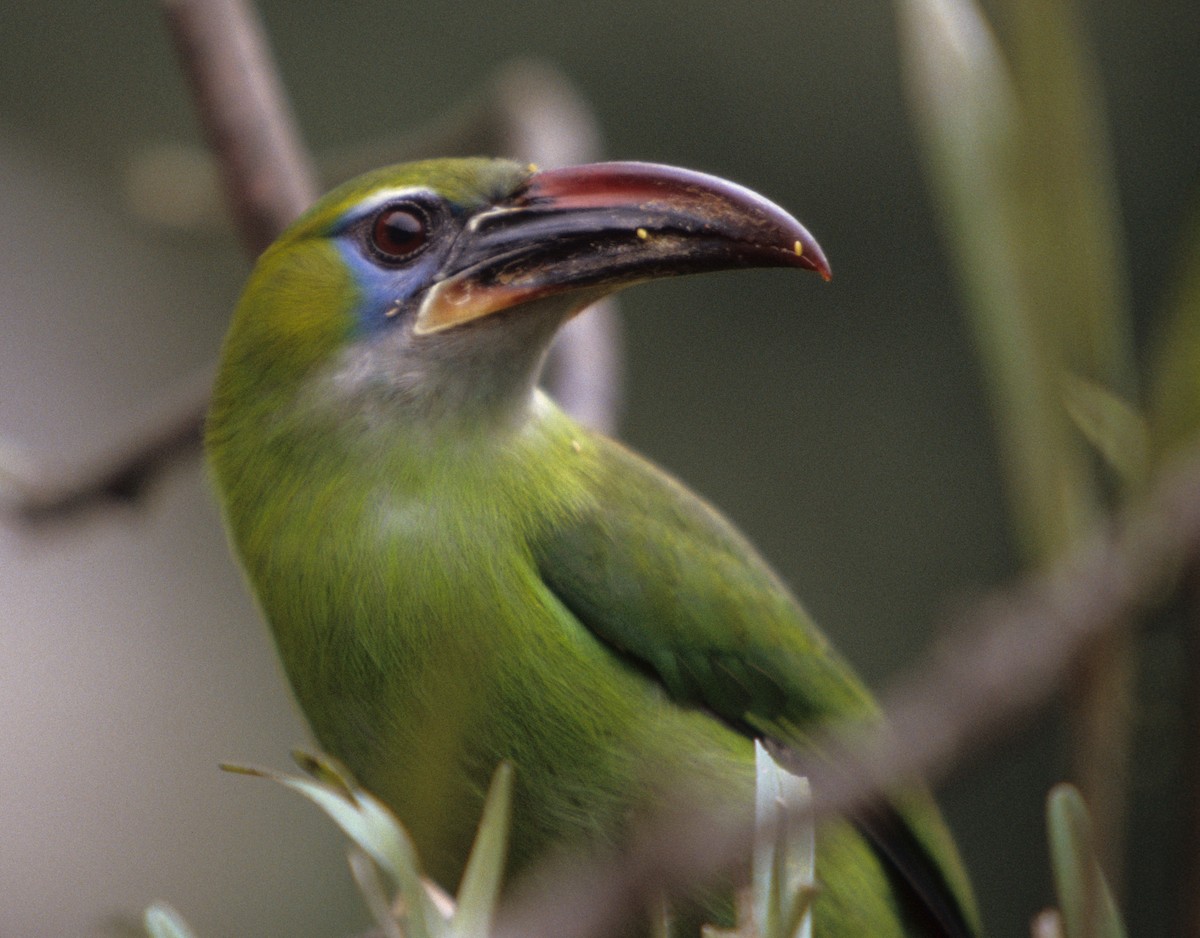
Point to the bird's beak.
(596, 228)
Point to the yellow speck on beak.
(643, 234)
(798, 248)
(533, 168)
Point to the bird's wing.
(668, 583)
(664, 579)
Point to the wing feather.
(669, 584)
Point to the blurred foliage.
(783, 882)
(1017, 153)
(162, 921)
(778, 903)
(1018, 161)
(1175, 374)
(1085, 904)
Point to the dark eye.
(399, 232)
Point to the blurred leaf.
(661, 920)
(1072, 237)
(162, 921)
(965, 108)
(784, 851)
(1075, 267)
(1175, 368)
(1047, 924)
(1085, 903)
(366, 877)
(1019, 164)
(1111, 425)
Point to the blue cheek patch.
(381, 290)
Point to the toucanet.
(457, 573)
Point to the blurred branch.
(268, 182)
(995, 665)
(528, 111)
(266, 172)
(31, 495)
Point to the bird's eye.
(399, 232)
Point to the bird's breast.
(424, 646)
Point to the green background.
(843, 426)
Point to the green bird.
(457, 573)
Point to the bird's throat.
(478, 377)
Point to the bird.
(457, 574)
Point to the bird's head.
(440, 285)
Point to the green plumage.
(456, 573)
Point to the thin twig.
(998, 663)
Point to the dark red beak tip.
(811, 257)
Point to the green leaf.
(162, 921)
(1075, 255)
(1084, 899)
(485, 867)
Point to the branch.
(998, 663)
